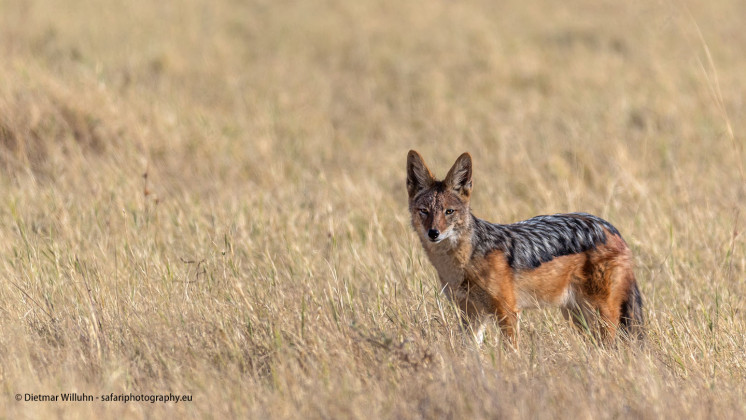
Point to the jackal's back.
(529, 243)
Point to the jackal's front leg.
(473, 312)
(507, 319)
(479, 306)
(475, 322)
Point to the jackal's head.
(440, 209)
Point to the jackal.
(576, 261)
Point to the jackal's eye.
(449, 212)
(424, 212)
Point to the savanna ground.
(207, 198)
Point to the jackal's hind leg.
(592, 320)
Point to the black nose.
(433, 234)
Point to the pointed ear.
(418, 176)
(459, 177)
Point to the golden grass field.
(207, 198)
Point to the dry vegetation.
(265, 263)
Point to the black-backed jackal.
(576, 261)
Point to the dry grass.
(265, 263)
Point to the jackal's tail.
(632, 321)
